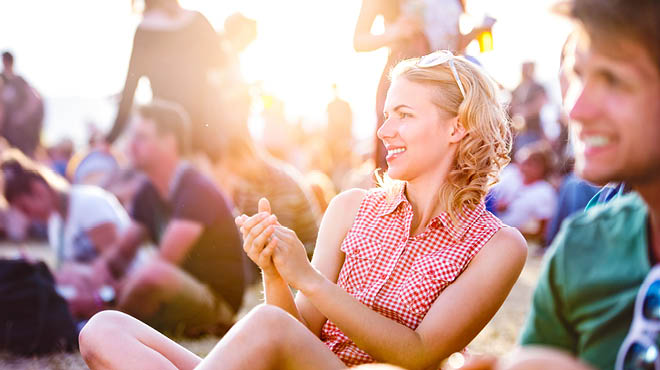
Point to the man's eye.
(611, 80)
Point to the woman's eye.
(404, 115)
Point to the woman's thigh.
(267, 338)
(112, 339)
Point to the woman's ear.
(458, 131)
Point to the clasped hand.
(274, 248)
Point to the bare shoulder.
(339, 216)
(336, 223)
(507, 244)
(348, 200)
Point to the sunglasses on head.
(639, 350)
(440, 57)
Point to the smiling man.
(585, 300)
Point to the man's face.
(6, 64)
(146, 144)
(613, 103)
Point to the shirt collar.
(455, 230)
(394, 200)
(464, 222)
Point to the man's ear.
(457, 132)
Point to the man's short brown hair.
(169, 118)
(609, 22)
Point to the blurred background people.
(21, 111)
(534, 202)
(527, 100)
(179, 52)
(247, 172)
(195, 282)
(83, 222)
(339, 137)
(573, 193)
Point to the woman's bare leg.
(267, 338)
(270, 338)
(114, 340)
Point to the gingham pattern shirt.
(398, 275)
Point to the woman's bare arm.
(454, 319)
(328, 258)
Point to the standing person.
(339, 136)
(527, 99)
(596, 299)
(22, 113)
(405, 274)
(178, 51)
(412, 28)
(196, 282)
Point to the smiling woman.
(464, 98)
(396, 276)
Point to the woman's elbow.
(362, 43)
(358, 45)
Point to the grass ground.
(497, 338)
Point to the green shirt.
(586, 293)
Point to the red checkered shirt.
(398, 275)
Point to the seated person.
(195, 283)
(405, 274)
(586, 301)
(83, 220)
(597, 297)
(248, 173)
(534, 203)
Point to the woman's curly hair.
(485, 149)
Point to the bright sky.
(75, 52)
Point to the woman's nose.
(385, 130)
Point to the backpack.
(34, 318)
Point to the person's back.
(177, 55)
(290, 198)
(176, 67)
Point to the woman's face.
(37, 204)
(417, 133)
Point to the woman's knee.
(265, 315)
(103, 325)
(265, 324)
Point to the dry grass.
(498, 336)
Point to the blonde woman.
(406, 274)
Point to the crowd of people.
(159, 227)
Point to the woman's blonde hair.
(484, 150)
